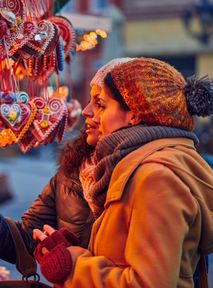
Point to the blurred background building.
(179, 32)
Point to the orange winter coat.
(158, 218)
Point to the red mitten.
(57, 264)
(62, 236)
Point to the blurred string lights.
(87, 41)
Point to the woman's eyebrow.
(94, 96)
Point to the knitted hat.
(101, 73)
(158, 93)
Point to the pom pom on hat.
(102, 72)
(199, 96)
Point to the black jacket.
(60, 204)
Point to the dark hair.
(116, 95)
(74, 152)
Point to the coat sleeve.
(42, 211)
(162, 212)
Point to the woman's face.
(90, 113)
(111, 115)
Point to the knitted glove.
(59, 236)
(57, 263)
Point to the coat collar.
(125, 168)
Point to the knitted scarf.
(111, 150)
(86, 176)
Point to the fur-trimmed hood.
(72, 153)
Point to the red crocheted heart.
(48, 118)
(27, 142)
(13, 13)
(42, 38)
(28, 31)
(67, 32)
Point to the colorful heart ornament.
(26, 34)
(50, 114)
(12, 15)
(67, 33)
(10, 113)
(42, 38)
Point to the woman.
(61, 203)
(151, 191)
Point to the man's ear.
(134, 120)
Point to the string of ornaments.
(34, 45)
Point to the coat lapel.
(126, 167)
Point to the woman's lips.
(90, 128)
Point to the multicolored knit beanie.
(158, 93)
(98, 79)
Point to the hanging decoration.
(34, 45)
(67, 33)
(12, 14)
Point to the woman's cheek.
(103, 125)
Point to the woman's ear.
(134, 120)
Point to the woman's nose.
(87, 111)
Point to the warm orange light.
(101, 33)
(62, 93)
(93, 35)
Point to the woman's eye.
(99, 105)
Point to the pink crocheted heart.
(26, 113)
(42, 38)
(67, 33)
(13, 13)
(48, 118)
(18, 117)
(28, 31)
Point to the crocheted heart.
(26, 114)
(19, 122)
(13, 13)
(10, 113)
(53, 42)
(48, 118)
(26, 119)
(42, 38)
(67, 33)
(62, 127)
(27, 142)
(28, 31)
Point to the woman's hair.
(74, 152)
(116, 95)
